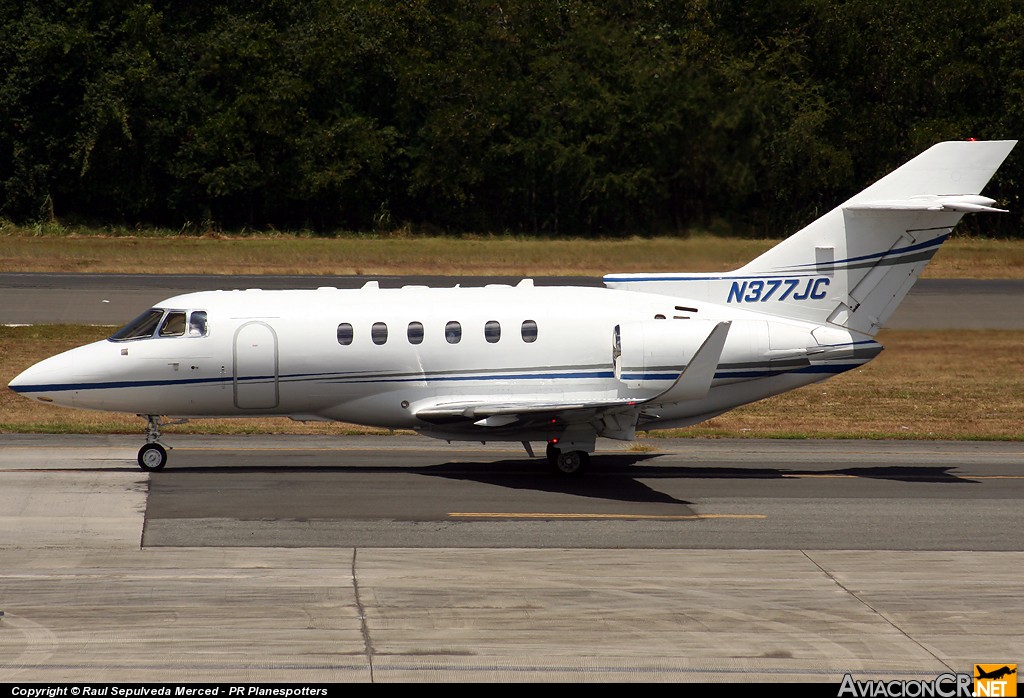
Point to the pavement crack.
(876, 611)
(145, 511)
(364, 629)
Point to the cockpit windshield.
(173, 325)
(142, 326)
(149, 325)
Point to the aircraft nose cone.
(23, 380)
(17, 382)
(79, 377)
(47, 380)
(29, 381)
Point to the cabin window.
(174, 324)
(345, 334)
(492, 331)
(453, 332)
(197, 326)
(415, 333)
(379, 333)
(529, 331)
(141, 327)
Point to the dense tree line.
(557, 117)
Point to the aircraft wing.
(693, 383)
(497, 413)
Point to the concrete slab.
(83, 602)
(180, 616)
(72, 510)
(387, 615)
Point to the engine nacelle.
(651, 354)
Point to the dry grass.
(370, 256)
(407, 254)
(926, 385)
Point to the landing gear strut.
(153, 455)
(567, 462)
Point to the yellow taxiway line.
(536, 515)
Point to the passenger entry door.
(256, 366)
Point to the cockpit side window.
(141, 327)
(174, 324)
(197, 326)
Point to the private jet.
(557, 365)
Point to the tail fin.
(854, 265)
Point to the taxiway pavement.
(314, 559)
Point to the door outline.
(252, 396)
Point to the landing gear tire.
(152, 457)
(571, 462)
(552, 454)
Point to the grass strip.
(467, 255)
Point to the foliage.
(560, 118)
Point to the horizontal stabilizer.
(931, 202)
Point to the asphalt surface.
(270, 559)
(114, 299)
(680, 494)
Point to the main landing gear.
(153, 455)
(567, 462)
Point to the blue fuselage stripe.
(113, 385)
(333, 378)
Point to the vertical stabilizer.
(854, 265)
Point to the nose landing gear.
(153, 455)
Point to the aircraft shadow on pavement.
(621, 478)
(611, 477)
(899, 473)
(616, 482)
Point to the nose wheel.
(153, 455)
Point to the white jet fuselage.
(381, 357)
